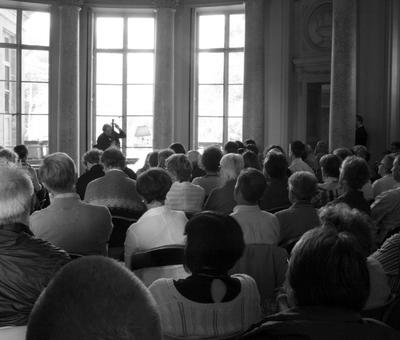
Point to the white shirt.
(299, 165)
(258, 226)
(157, 227)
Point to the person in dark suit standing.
(361, 133)
(109, 137)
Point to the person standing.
(109, 137)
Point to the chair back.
(160, 262)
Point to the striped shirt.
(183, 318)
(185, 196)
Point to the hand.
(117, 126)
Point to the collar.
(66, 195)
(242, 207)
(155, 211)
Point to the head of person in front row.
(328, 268)
(95, 298)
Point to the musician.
(109, 137)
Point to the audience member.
(194, 158)
(309, 157)
(162, 157)
(276, 194)
(386, 182)
(95, 298)
(297, 151)
(342, 153)
(178, 148)
(183, 195)
(210, 162)
(27, 264)
(115, 190)
(362, 152)
(248, 142)
(68, 222)
(159, 225)
(301, 216)
(385, 211)
(320, 150)
(327, 286)
(188, 307)
(7, 157)
(22, 152)
(231, 147)
(150, 162)
(221, 199)
(93, 170)
(258, 226)
(330, 188)
(274, 148)
(343, 219)
(251, 160)
(353, 176)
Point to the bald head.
(95, 298)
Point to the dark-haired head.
(214, 242)
(354, 173)
(22, 152)
(330, 165)
(178, 148)
(179, 167)
(327, 268)
(248, 142)
(211, 158)
(152, 160)
(154, 184)
(163, 155)
(250, 186)
(342, 153)
(92, 156)
(298, 149)
(94, 298)
(231, 147)
(251, 160)
(113, 158)
(275, 165)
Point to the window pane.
(35, 98)
(9, 69)
(8, 97)
(109, 100)
(211, 68)
(236, 68)
(8, 25)
(109, 32)
(140, 68)
(235, 128)
(35, 128)
(35, 28)
(236, 30)
(7, 130)
(211, 31)
(138, 155)
(141, 33)
(101, 120)
(211, 100)
(35, 65)
(140, 132)
(235, 100)
(109, 68)
(140, 99)
(209, 130)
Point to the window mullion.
(124, 82)
(226, 80)
(19, 79)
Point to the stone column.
(164, 78)
(66, 85)
(253, 92)
(343, 75)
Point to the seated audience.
(320, 150)
(388, 255)
(210, 162)
(93, 170)
(301, 216)
(7, 157)
(27, 263)
(385, 211)
(95, 298)
(22, 152)
(342, 153)
(297, 152)
(327, 287)
(362, 152)
(330, 188)
(115, 190)
(258, 226)
(159, 225)
(150, 162)
(69, 223)
(343, 219)
(189, 307)
(251, 160)
(178, 148)
(162, 157)
(353, 176)
(276, 194)
(183, 195)
(386, 182)
(273, 148)
(221, 199)
(194, 158)
(231, 147)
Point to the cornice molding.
(75, 3)
(166, 3)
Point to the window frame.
(125, 15)
(19, 47)
(226, 50)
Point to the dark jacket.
(104, 141)
(355, 200)
(320, 323)
(222, 199)
(96, 171)
(27, 265)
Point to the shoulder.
(160, 288)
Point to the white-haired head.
(231, 165)
(16, 190)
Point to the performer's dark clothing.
(104, 141)
(361, 136)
